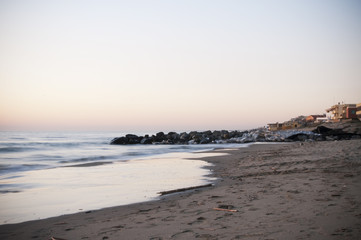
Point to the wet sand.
(306, 190)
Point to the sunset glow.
(174, 65)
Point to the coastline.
(298, 190)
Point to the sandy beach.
(309, 190)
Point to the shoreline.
(304, 190)
(89, 187)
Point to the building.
(322, 119)
(342, 111)
(290, 125)
(282, 126)
(313, 118)
(358, 110)
(293, 123)
(274, 126)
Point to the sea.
(47, 174)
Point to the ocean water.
(46, 174)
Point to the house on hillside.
(342, 111)
(282, 126)
(274, 126)
(358, 110)
(293, 123)
(285, 125)
(313, 118)
(290, 124)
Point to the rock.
(298, 137)
(131, 136)
(234, 134)
(224, 134)
(217, 135)
(339, 133)
(133, 139)
(160, 134)
(208, 133)
(173, 136)
(196, 137)
(183, 138)
(322, 130)
(120, 140)
(146, 140)
(159, 137)
(329, 138)
(192, 134)
(205, 140)
(255, 135)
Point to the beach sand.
(308, 190)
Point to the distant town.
(336, 113)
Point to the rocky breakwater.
(219, 137)
(340, 130)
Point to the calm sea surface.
(45, 174)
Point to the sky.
(175, 65)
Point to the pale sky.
(175, 65)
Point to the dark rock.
(133, 139)
(233, 134)
(131, 136)
(205, 140)
(160, 134)
(208, 133)
(192, 134)
(197, 137)
(356, 137)
(330, 138)
(146, 140)
(225, 134)
(217, 135)
(184, 138)
(327, 132)
(120, 140)
(335, 133)
(159, 137)
(173, 136)
(322, 130)
(299, 137)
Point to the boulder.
(205, 140)
(120, 140)
(217, 135)
(224, 134)
(255, 135)
(173, 136)
(159, 137)
(330, 134)
(133, 139)
(299, 137)
(322, 130)
(184, 136)
(146, 140)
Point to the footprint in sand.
(199, 220)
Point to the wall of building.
(351, 113)
(358, 110)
